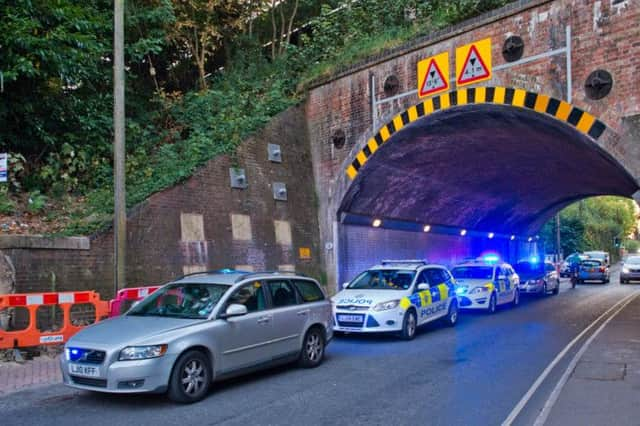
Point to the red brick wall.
(155, 252)
(604, 35)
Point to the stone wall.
(202, 223)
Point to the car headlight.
(142, 352)
(385, 306)
(477, 290)
(625, 270)
(461, 290)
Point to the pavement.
(40, 371)
(474, 373)
(604, 387)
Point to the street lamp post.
(119, 218)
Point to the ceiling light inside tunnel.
(491, 235)
(376, 223)
(530, 239)
(463, 232)
(427, 228)
(513, 237)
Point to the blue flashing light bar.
(491, 258)
(534, 259)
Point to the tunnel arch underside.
(486, 167)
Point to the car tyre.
(545, 289)
(409, 325)
(516, 298)
(452, 316)
(556, 290)
(190, 378)
(492, 304)
(313, 345)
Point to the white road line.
(527, 396)
(555, 394)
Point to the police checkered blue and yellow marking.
(561, 110)
(425, 298)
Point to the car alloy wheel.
(409, 325)
(191, 377)
(545, 290)
(452, 317)
(312, 348)
(492, 304)
(516, 298)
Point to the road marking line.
(527, 396)
(555, 394)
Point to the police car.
(396, 296)
(486, 283)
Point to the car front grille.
(352, 308)
(87, 356)
(87, 381)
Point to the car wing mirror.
(234, 310)
(423, 286)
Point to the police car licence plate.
(351, 318)
(84, 370)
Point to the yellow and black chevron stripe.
(581, 120)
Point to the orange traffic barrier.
(33, 302)
(126, 297)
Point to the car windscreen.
(473, 272)
(383, 279)
(523, 268)
(632, 260)
(181, 300)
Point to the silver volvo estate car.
(200, 328)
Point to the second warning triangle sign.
(473, 62)
(433, 75)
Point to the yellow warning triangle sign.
(434, 80)
(474, 68)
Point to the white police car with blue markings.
(486, 283)
(396, 296)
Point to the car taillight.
(602, 269)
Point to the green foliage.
(37, 202)
(632, 246)
(592, 224)
(7, 205)
(57, 106)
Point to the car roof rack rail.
(213, 271)
(256, 273)
(403, 262)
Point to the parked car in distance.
(486, 283)
(565, 268)
(602, 256)
(630, 269)
(201, 328)
(537, 277)
(593, 270)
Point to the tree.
(201, 26)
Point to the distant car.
(602, 256)
(537, 277)
(593, 270)
(396, 296)
(201, 328)
(630, 269)
(565, 268)
(486, 283)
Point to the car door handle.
(303, 313)
(264, 320)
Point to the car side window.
(309, 291)
(549, 267)
(251, 296)
(434, 277)
(282, 293)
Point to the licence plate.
(84, 370)
(351, 318)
